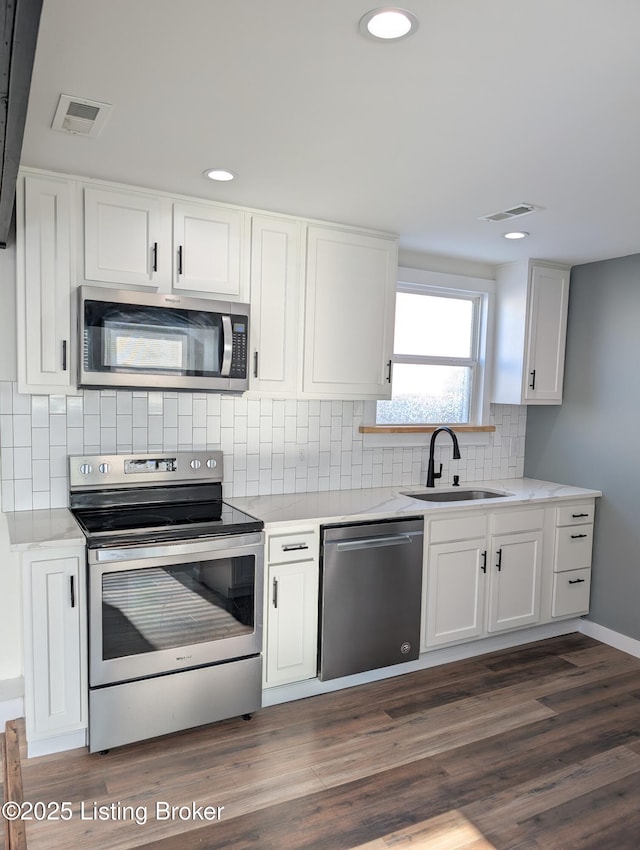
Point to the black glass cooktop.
(116, 518)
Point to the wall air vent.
(79, 116)
(513, 212)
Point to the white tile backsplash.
(270, 445)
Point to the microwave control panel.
(239, 347)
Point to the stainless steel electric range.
(174, 588)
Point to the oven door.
(156, 609)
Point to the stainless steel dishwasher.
(370, 596)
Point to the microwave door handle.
(227, 346)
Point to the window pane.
(433, 326)
(425, 394)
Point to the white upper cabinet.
(44, 270)
(208, 244)
(139, 239)
(276, 282)
(531, 325)
(349, 314)
(126, 238)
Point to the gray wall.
(591, 439)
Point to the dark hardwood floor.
(531, 748)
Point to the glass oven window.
(156, 608)
(136, 338)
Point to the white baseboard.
(431, 658)
(611, 638)
(57, 744)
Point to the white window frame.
(451, 285)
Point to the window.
(439, 352)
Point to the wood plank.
(16, 839)
(4, 832)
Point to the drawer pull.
(578, 516)
(293, 547)
(576, 580)
(499, 564)
(275, 593)
(484, 561)
(576, 536)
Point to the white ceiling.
(491, 103)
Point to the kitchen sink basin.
(454, 495)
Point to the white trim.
(615, 639)
(432, 658)
(57, 744)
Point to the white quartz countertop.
(379, 502)
(43, 529)
(57, 527)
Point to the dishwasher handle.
(373, 542)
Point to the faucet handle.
(456, 480)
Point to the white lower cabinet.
(291, 606)
(483, 574)
(456, 584)
(514, 582)
(55, 648)
(572, 550)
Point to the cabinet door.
(208, 244)
(275, 301)
(126, 238)
(349, 314)
(455, 591)
(55, 679)
(547, 328)
(515, 562)
(44, 285)
(292, 622)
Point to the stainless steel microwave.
(135, 340)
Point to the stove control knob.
(105, 468)
(195, 464)
(86, 468)
(212, 463)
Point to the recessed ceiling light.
(221, 174)
(388, 24)
(516, 234)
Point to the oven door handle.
(227, 346)
(150, 555)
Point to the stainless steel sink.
(454, 495)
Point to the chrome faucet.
(431, 473)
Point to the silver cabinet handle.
(373, 542)
(291, 547)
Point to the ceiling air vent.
(512, 212)
(80, 116)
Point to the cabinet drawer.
(508, 522)
(575, 514)
(460, 528)
(283, 548)
(571, 593)
(573, 548)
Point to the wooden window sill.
(421, 429)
